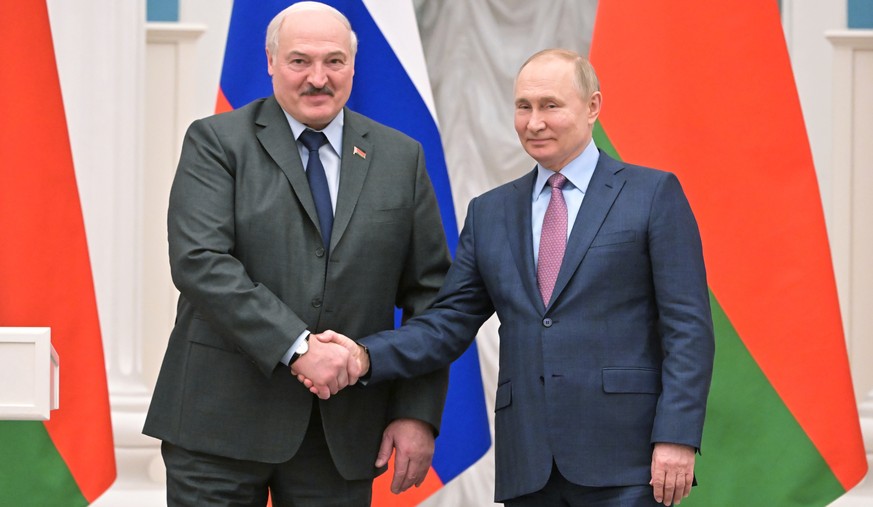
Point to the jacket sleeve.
(202, 240)
(442, 333)
(684, 316)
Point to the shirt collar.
(578, 172)
(333, 131)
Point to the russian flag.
(390, 86)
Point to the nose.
(535, 122)
(317, 77)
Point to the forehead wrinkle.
(303, 52)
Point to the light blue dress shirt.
(330, 155)
(578, 173)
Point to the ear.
(594, 104)
(269, 62)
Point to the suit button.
(547, 322)
(316, 302)
(319, 252)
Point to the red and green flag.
(45, 276)
(705, 89)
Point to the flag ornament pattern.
(385, 92)
(45, 276)
(705, 89)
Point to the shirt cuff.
(286, 359)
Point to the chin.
(538, 154)
(318, 119)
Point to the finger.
(657, 483)
(669, 490)
(689, 481)
(417, 473)
(342, 378)
(384, 451)
(326, 336)
(400, 481)
(679, 492)
(353, 371)
(322, 392)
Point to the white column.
(133, 364)
(851, 227)
(100, 51)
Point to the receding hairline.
(272, 39)
(585, 78)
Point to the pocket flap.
(504, 396)
(614, 238)
(203, 333)
(631, 380)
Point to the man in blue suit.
(595, 270)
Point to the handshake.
(332, 362)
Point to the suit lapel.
(353, 171)
(518, 230)
(278, 140)
(602, 191)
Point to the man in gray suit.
(264, 252)
(595, 269)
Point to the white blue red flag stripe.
(383, 90)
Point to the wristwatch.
(301, 349)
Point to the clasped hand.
(333, 362)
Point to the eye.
(336, 63)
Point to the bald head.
(273, 29)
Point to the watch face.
(304, 347)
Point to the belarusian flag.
(45, 276)
(705, 89)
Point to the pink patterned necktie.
(553, 240)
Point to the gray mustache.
(324, 90)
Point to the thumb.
(326, 336)
(384, 451)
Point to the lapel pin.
(359, 152)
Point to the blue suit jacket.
(620, 359)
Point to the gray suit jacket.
(247, 257)
(620, 359)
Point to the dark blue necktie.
(313, 140)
